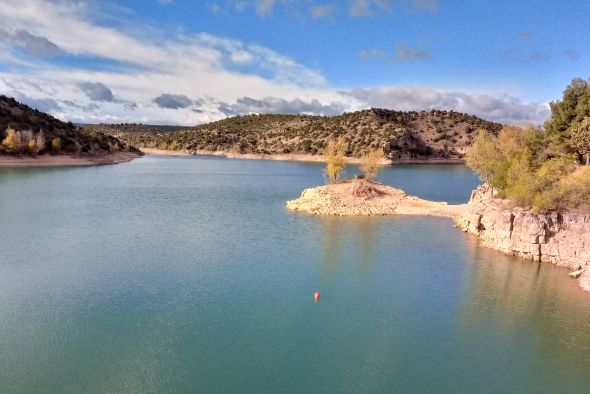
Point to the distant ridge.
(436, 134)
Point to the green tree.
(335, 159)
(483, 156)
(567, 113)
(580, 138)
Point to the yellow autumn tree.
(13, 142)
(335, 159)
(371, 163)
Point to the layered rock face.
(561, 238)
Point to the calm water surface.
(188, 275)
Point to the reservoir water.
(187, 275)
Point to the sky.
(190, 62)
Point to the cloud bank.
(145, 75)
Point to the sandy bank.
(338, 200)
(65, 160)
(290, 157)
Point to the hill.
(402, 135)
(27, 131)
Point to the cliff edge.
(560, 238)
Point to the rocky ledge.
(561, 238)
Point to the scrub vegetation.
(541, 168)
(399, 135)
(27, 131)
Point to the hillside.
(27, 131)
(402, 135)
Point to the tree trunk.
(588, 158)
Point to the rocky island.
(363, 198)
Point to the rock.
(561, 238)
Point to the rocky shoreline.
(560, 238)
(47, 160)
(289, 157)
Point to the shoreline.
(557, 238)
(47, 160)
(288, 157)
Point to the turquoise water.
(188, 275)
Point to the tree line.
(541, 168)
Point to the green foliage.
(407, 133)
(515, 164)
(580, 138)
(568, 114)
(483, 155)
(23, 127)
(540, 168)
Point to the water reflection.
(512, 297)
(352, 238)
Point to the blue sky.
(188, 62)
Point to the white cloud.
(274, 105)
(372, 54)
(426, 5)
(322, 11)
(405, 54)
(500, 108)
(190, 79)
(369, 7)
(264, 7)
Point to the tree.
(483, 155)
(335, 159)
(12, 142)
(567, 114)
(580, 138)
(56, 144)
(370, 164)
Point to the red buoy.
(316, 296)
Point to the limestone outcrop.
(561, 238)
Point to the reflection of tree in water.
(366, 235)
(346, 235)
(332, 245)
(511, 296)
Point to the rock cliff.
(561, 238)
